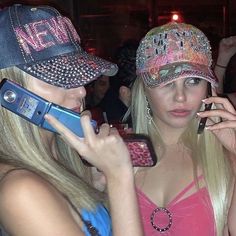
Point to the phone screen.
(27, 106)
(202, 122)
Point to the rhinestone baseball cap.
(45, 44)
(174, 51)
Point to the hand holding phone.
(141, 150)
(203, 120)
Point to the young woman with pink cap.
(189, 191)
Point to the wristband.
(224, 67)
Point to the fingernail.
(46, 117)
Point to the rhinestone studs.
(152, 218)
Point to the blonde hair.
(206, 152)
(21, 146)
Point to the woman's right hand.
(108, 152)
(221, 121)
(104, 150)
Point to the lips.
(76, 109)
(180, 112)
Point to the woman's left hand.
(222, 121)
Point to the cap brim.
(70, 70)
(180, 70)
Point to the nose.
(180, 94)
(77, 93)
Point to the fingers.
(65, 133)
(223, 114)
(220, 102)
(104, 130)
(222, 125)
(86, 113)
(62, 130)
(114, 131)
(89, 133)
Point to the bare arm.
(123, 205)
(31, 206)
(109, 154)
(227, 48)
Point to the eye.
(169, 85)
(192, 81)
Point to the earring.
(149, 112)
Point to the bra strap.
(185, 190)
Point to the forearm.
(220, 74)
(220, 69)
(227, 49)
(124, 207)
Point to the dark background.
(104, 25)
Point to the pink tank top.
(191, 216)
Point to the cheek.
(54, 95)
(48, 92)
(57, 98)
(197, 97)
(158, 102)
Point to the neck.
(49, 139)
(169, 135)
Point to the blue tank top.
(99, 219)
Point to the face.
(69, 98)
(175, 104)
(101, 86)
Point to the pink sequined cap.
(174, 51)
(45, 44)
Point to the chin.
(181, 124)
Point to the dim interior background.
(104, 25)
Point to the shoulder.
(20, 184)
(21, 188)
(30, 200)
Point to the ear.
(125, 95)
(123, 90)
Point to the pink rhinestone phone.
(141, 150)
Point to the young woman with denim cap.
(45, 189)
(189, 191)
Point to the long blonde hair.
(206, 152)
(21, 146)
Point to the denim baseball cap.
(174, 51)
(46, 45)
